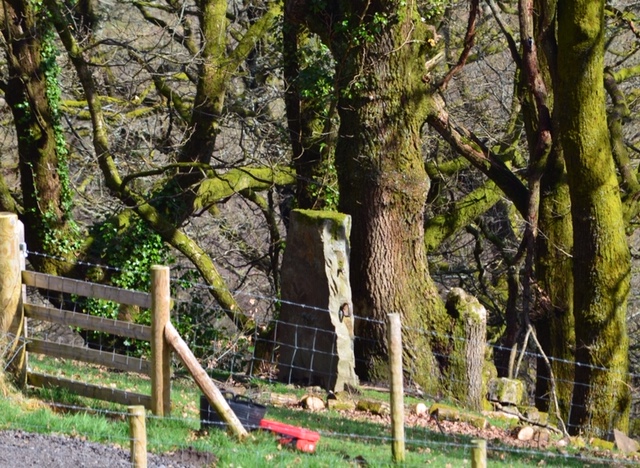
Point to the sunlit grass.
(344, 441)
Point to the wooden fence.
(162, 335)
(157, 367)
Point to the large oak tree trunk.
(601, 261)
(380, 48)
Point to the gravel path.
(20, 449)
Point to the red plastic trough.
(303, 439)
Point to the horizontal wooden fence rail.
(93, 356)
(88, 322)
(89, 390)
(16, 308)
(83, 288)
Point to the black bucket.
(248, 412)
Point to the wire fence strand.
(222, 347)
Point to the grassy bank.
(344, 441)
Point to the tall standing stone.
(315, 327)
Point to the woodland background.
(183, 133)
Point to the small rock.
(505, 391)
(420, 409)
(531, 413)
(624, 443)
(312, 403)
(526, 433)
(510, 409)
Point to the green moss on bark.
(601, 260)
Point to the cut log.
(282, 399)
(312, 403)
(341, 405)
(450, 413)
(380, 408)
(420, 409)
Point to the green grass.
(344, 441)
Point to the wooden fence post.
(211, 392)
(138, 436)
(479, 453)
(11, 312)
(160, 350)
(397, 387)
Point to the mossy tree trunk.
(383, 185)
(555, 329)
(311, 109)
(552, 311)
(601, 260)
(379, 49)
(30, 55)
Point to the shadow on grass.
(353, 438)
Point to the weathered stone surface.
(315, 327)
(624, 443)
(506, 391)
(534, 415)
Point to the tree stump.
(466, 361)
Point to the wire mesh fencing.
(251, 357)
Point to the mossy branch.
(462, 213)
(255, 33)
(183, 109)
(169, 232)
(217, 188)
(615, 117)
(481, 158)
(187, 39)
(446, 168)
(7, 202)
